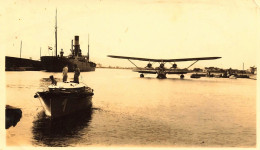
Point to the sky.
(139, 28)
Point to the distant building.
(214, 70)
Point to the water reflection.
(60, 132)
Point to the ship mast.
(56, 44)
(88, 47)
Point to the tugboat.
(57, 62)
(64, 98)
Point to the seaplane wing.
(161, 71)
(164, 60)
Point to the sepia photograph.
(130, 74)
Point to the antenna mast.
(56, 44)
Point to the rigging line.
(192, 64)
(172, 63)
(132, 63)
(162, 62)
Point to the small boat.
(12, 116)
(195, 76)
(232, 77)
(65, 98)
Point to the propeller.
(161, 65)
(174, 66)
(149, 65)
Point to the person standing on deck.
(76, 74)
(65, 73)
(53, 81)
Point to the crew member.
(76, 74)
(53, 81)
(65, 73)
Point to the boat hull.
(58, 104)
(56, 64)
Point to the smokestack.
(76, 40)
(77, 46)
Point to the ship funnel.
(77, 46)
(76, 40)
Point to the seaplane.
(161, 70)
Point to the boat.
(196, 75)
(65, 98)
(232, 77)
(12, 116)
(57, 62)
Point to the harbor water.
(140, 112)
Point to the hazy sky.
(141, 28)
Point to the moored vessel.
(65, 98)
(57, 62)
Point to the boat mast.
(243, 69)
(88, 47)
(21, 49)
(72, 51)
(56, 44)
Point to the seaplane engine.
(149, 65)
(174, 66)
(161, 65)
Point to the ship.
(57, 62)
(65, 98)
